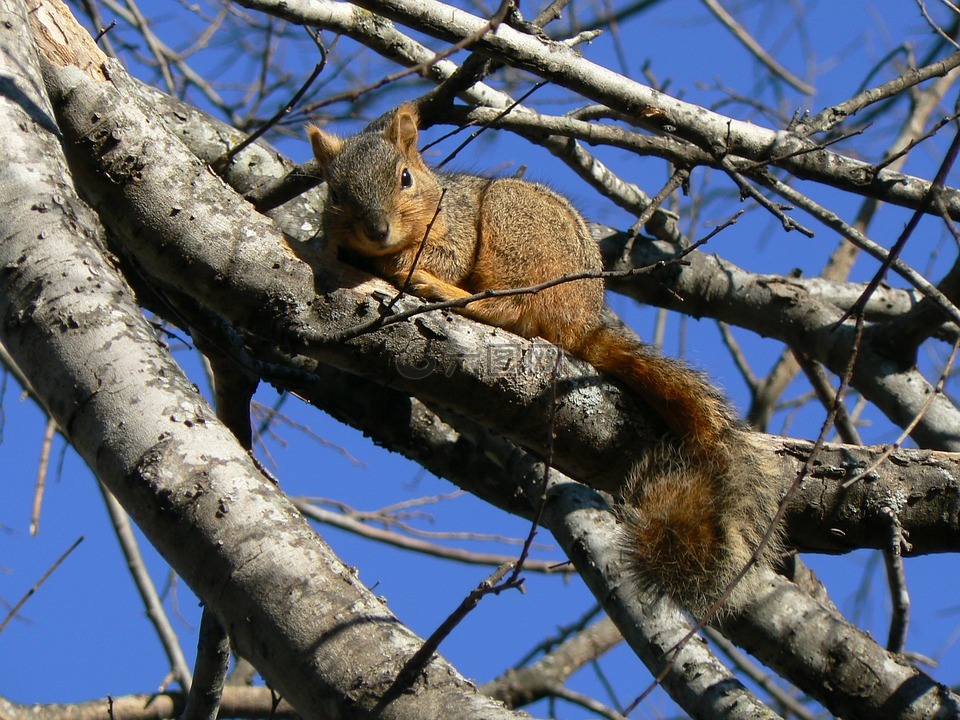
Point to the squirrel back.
(696, 505)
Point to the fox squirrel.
(695, 507)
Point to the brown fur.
(695, 506)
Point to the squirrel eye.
(406, 179)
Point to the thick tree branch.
(242, 703)
(271, 297)
(312, 629)
(773, 306)
(834, 661)
(228, 274)
(523, 685)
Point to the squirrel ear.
(402, 131)
(325, 146)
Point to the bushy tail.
(691, 526)
(693, 410)
(696, 504)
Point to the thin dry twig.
(775, 209)
(162, 58)
(389, 516)
(499, 15)
(741, 34)
(835, 222)
(738, 356)
(934, 25)
(281, 113)
(36, 586)
(678, 178)
(48, 434)
(147, 590)
(826, 394)
(169, 55)
(897, 582)
(413, 666)
(894, 253)
(407, 543)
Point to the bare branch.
(829, 117)
(248, 703)
(147, 590)
(36, 586)
(396, 539)
(755, 48)
(545, 678)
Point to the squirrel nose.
(377, 228)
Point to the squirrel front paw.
(430, 287)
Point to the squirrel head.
(381, 195)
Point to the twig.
(171, 56)
(486, 126)
(163, 61)
(228, 157)
(491, 26)
(563, 633)
(895, 156)
(416, 258)
(775, 209)
(419, 660)
(541, 501)
(825, 393)
(749, 167)
(392, 538)
(271, 415)
(587, 702)
(563, 655)
(679, 177)
(389, 517)
(739, 358)
(145, 586)
(934, 26)
(767, 392)
(103, 32)
(754, 47)
(550, 12)
(48, 433)
(925, 203)
(897, 581)
(213, 659)
(495, 584)
(36, 586)
(833, 221)
(841, 260)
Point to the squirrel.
(695, 506)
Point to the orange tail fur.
(686, 401)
